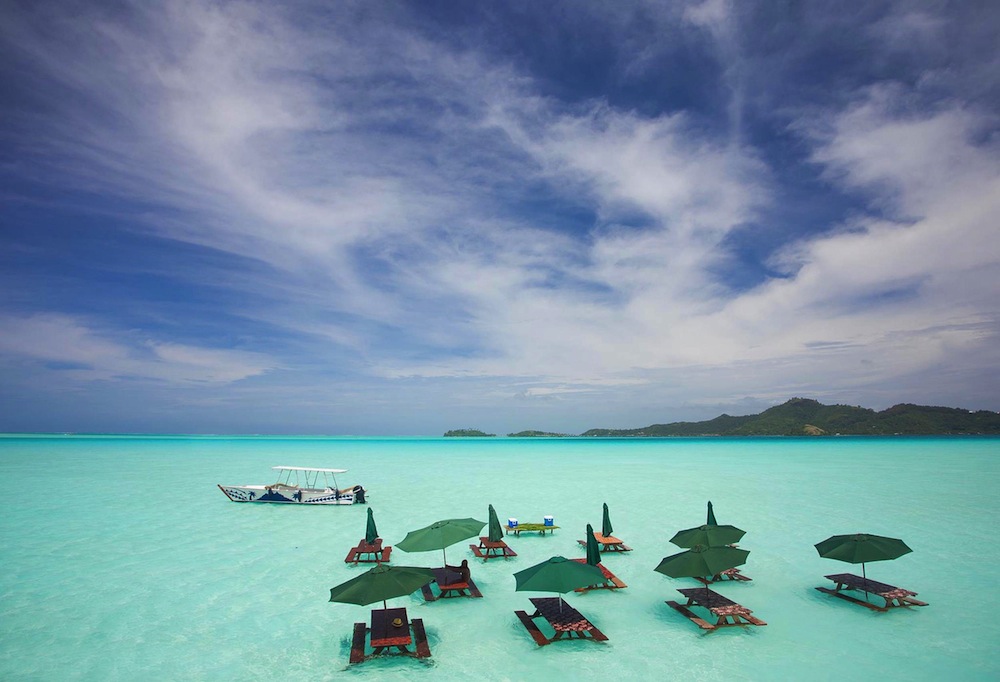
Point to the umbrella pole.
(865, 578)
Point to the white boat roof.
(325, 471)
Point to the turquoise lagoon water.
(122, 559)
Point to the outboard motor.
(359, 494)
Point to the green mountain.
(802, 416)
(536, 434)
(467, 433)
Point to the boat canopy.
(322, 471)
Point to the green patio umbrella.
(495, 533)
(707, 536)
(861, 548)
(606, 529)
(700, 561)
(593, 547)
(557, 574)
(381, 583)
(711, 516)
(440, 534)
(371, 532)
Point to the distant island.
(468, 433)
(805, 417)
(538, 434)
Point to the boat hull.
(292, 495)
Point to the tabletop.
(856, 582)
(384, 630)
(445, 576)
(561, 616)
(702, 596)
(486, 543)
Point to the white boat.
(298, 485)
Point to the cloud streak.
(391, 208)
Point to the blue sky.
(403, 217)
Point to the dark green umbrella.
(861, 548)
(711, 516)
(371, 532)
(381, 583)
(557, 574)
(440, 534)
(593, 547)
(700, 561)
(495, 530)
(606, 529)
(708, 536)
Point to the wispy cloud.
(393, 206)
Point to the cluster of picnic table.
(710, 556)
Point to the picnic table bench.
(540, 528)
(608, 543)
(726, 610)
(369, 553)
(611, 581)
(893, 596)
(567, 622)
(390, 628)
(488, 549)
(728, 574)
(450, 584)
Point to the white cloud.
(378, 175)
(87, 354)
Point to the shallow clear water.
(121, 557)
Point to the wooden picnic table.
(390, 628)
(611, 581)
(529, 528)
(369, 553)
(893, 596)
(450, 584)
(728, 574)
(566, 621)
(608, 543)
(488, 549)
(726, 610)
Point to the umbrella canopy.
(495, 533)
(440, 534)
(381, 583)
(700, 561)
(606, 529)
(861, 548)
(593, 547)
(707, 536)
(711, 516)
(557, 574)
(371, 532)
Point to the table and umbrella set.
(709, 555)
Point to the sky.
(396, 218)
